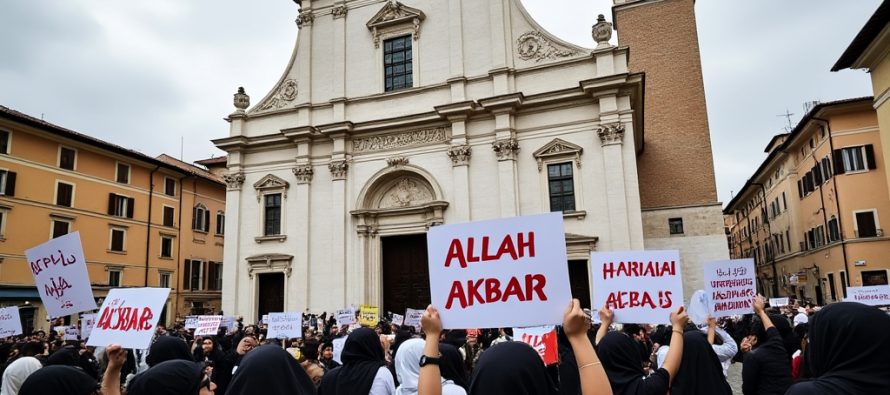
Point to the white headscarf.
(408, 366)
(16, 373)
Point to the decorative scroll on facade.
(400, 140)
(534, 46)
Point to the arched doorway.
(396, 208)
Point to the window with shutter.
(866, 224)
(67, 158)
(118, 239)
(64, 194)
(61, 228)
(855, 158)
(186, 274)
(4, 142)
(169, 213)
(199, 221)
(123, 173)
(169, 186)
(206, 220)
(220, 222)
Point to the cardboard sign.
(71, 333)
(398, 319)
(87, 321)
(191, 322)
(285, 325)
(730, 287)
(641, 287)
(208, 325)
(875, 295)
(482, 273)
(338, 344)
(778, 302)
(129, 317)
(369, 315)
(542, 339)
(345, 316)
(60, 274)
(10, 321)
(412, 318)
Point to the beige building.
(811, 214)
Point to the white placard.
(875, 295)
(482, 273)
(542, 339)
(398, 319)
(338, 344)
(285, 325)
(412, 318)
(346, 316)
(129, 317)
(730, 287)
(228, 322)
(778, 302)
(71, 333)
(264, 319)
(87, 321)
(191, 322)
(10, 322)
(60, 274)
(641, 287)
(208, 325)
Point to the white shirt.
(724, 351)
(801, 318)
(383, 383)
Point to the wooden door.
(579, 280)
(406, 281)
(271, 293)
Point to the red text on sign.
(488, 290)
(631, 299)
(522, 247)
(639, 269)
(126, 318)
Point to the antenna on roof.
(181, 144)
(787, 115)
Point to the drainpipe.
(824, 223)
(176, 273)
(837, 202)
(151, 188)
(769, 239)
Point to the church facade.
(393, 117)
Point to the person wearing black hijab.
(67, 356)
(364, 365)
(167, 348)
(174, 377)
(766, 369)
(700, 370)
(511, 368)
(59, 380)
(451, 365)
(269, 370)
(848, 351)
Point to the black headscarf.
(67, 356)
(511, 368)
(58, 380)
(170, 377)
(362, 357)
(269, 370)
(451, 365)
(700, 370)
(848, 351)
(569, 376)
(621, 360)
(168, 348)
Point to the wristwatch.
(425, 360)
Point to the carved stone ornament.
(285, 94)
(303, 174)
(602, 32)
(611, 134)
(407, 192)
(397, 161)
(460, 154)
(270, 182)
(339, 11)
(399, 140)
(234, 180)
(241, 100)
(558, 148)
(305, 19)
(534, 46)
(395, 15)
(338, 169)
(505, 149)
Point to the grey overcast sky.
(145, 74)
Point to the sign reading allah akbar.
(400, 140)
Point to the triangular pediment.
(395, 13)
(558, 147)
(271, 181)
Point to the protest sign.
(542, 339)
(482, 273)
(778, 302)
(60, 274)
(208, 325)
(71, 333)
(191, 322)
(698, 309)
(730, 286)
(338, 344)
(369, 315)
(59, 330)
(412, 318)
(228, 322)
(10, 321)
(346, 316)
(265, 319)
(128, 317)
(875, 295)
(285, 325)
(639, 286)
(398, 319)
(87, 321)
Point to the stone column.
(302, 261)
(612, 136)
(231, 250)
(339, 169)
(506, 148)
(459, 154)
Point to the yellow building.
(869, 51)
(811, 214)
(127, 206)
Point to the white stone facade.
(495, 99)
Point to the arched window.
(200, 218)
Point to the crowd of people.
(841, 348)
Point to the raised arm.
(593, 377)
(111, 381)
(606, 316)
(712, 327)
(675, 352)
(758, 305)
(430, 381)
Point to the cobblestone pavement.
(735, 378)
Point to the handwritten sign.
(59, 330)
(208, 325)
(71, 333)
(369, 315)
(345, 316)
(730, 286)
(412, 318)
(875, 295)
(640, 286)
(398, 319)
(10, 321)
(129, 317)
(60, 273)
(338, 344)
(191, 322)
(542, 339)
(778, 302)
(285, 325)
(87, 321)
(228, 322)
(482, 273)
